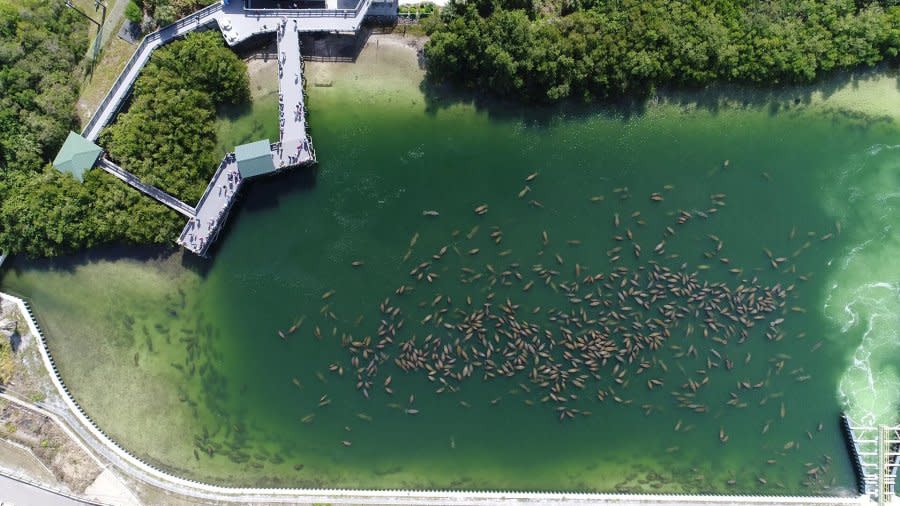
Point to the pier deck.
(152, 191)
(212, 210)
(295, 147)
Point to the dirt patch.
(66, 459)
(30, 382)
(29, 379)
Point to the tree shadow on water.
(442, 96)
(108, 253)
(774, 98)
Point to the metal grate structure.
(876, 451)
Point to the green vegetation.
(133, 12)
(40, 46)
(168, 136)
(7, 361)
(420, 10)
(594, 49)
(163, 12)
(46, 213)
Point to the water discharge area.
(184, 362)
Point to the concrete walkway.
(20, 492)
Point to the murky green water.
(182, 360)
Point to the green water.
(181, 360)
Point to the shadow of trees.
(713, 98)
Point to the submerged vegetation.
(594, 49)
(167, 136)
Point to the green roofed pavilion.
(254, 159)
(77, 156)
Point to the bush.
(133, 12)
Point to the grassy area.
(96, 84)
(114, 53)
(7, 361)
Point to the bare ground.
(66, 459)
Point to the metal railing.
(149, 39)
(310, 13)
(212, 182)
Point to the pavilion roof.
(254, 159)
(76, 156)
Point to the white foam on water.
(877, 148)
(863, 297)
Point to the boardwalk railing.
(214, 180)
(152, 39)
(148, 190)
(361, 6)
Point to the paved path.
(20, 493)
(152, 191)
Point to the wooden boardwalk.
(152, 191)
(295, 147)
(212, 211)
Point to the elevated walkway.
(152, 191)
(295, 147)
(212, 211)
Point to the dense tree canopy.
(590, 49)
(39, 50)
(166, 136)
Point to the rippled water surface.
(786, 199)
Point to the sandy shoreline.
(403, 53)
